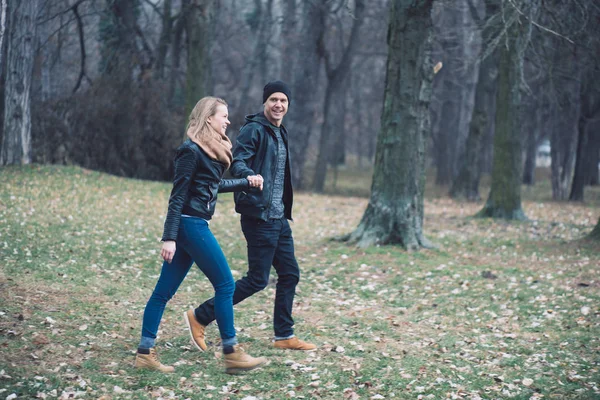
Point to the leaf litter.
(500, 310)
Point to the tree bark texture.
(593, 159)
(165, 37)
(460, 41)
(504, 200)
(395, 210)
(563, 140)
(198, 29)
(301, 117)
(333, 123)
(261, 27)
(589, 110)
(16, 141)
(289, 50)
(466, 184)
(3, 15)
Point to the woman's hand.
(256, 181)
(168, 250)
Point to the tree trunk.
(562, 150)
(457, 33)
(466, 184)
(260, 28)
(198, 29)
(331, 125)
(589, 110)
(175, 97)
(165, 38)
(504, 200)
(595, 233)
(289, 43)
(594, 156)
(3, 15)
(446, 139)
(579, 176)
(530, 155)
(16, 141)
(395, 210)
(300, 120)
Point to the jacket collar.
(261, 119)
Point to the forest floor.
(499, 310)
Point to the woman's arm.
(185, 166)
(238, 185)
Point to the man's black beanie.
(274, 87)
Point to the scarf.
(216, 145)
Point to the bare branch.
(512, 3)
(81, 46)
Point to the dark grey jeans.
(270, 243)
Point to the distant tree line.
(107, 84)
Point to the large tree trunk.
(563, 140)
(300, 120)
(332, 118)
(261, 26)
(289, 49)
(395, 210)
(589, 110)
(466, 184)
(198, 30)
(454, 26)
(579, 176)
(16, 141)
(504, 200)
(165, 38)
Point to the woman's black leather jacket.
(196, 183)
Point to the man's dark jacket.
(256, 152)
(196, 183)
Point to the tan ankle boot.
(196, 330)
(239, 361)
(150, 361)
(294, 344)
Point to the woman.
(199, 165)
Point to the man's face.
(276, 107)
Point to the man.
(262, 150)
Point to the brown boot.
(238, 361)
(150, 361)
(294, 344)
(196, 330)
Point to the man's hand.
(168, 250)
(255, 181)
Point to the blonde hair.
(198, 126)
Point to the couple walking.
(260, 165)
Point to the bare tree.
(395, 210)
(333, 117)
(466, 183)
(16, 141)
(198, 28)
(305, 101)
(504, 200)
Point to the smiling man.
(262, 149)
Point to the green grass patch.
(498, 310)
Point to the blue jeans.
(269, 243)
(195, 243)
